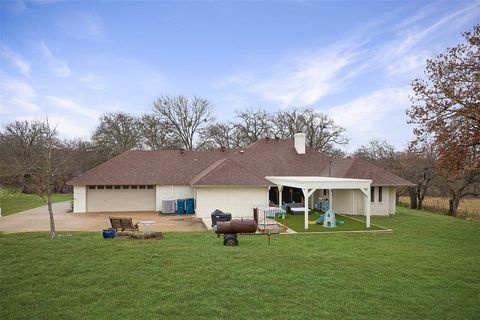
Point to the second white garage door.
(103, 200)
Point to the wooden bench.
(123, 224)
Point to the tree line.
(179, 122)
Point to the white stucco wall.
(348, 201)
(344, 201)
(387, 206)
(79, 199)
(239, 201)
(166, 192)
(393, 200)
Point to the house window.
(109, 187)
(324, 192)
(149, 187)
(379, 194)
(133, 187)
(125, 187)
(118, 187)
(141, 187)
(91, 187)
(100, 187)
(372, 194)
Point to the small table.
(147, 224)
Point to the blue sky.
(353, 60)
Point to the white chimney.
(300, 142)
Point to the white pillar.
(280, 200)
(330, 197)
(367, 208)
(305, 202)
(306, 195)
(353, 201)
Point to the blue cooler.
(190, 205)
(109, 233)
(181, 206)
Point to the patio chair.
(123, 224)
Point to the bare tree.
(459, 186)
(417, 165)
(157, 134)
(252, 125)
(221, 135)
(289, 122)
(188, 118)
(116, 133)
(378, 152)
(37, 159)
(322, 133)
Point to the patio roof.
(313, 182)
(309, 184)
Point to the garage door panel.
(99, 200)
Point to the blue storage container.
(190, 205)
(180, 205)
(109, 233)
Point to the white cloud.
(410, 65)
(71, 127)
(306, 79)
(300, 80)
(69, 105)
(59, 66)
(368, 116)
(16, 60)
(17, 96)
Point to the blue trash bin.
(181, 206)
(189, 205)
(109, 233)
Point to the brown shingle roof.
(228, 172)
(361, 169)
(150, 167)
(246, 166)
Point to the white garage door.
(102, 200)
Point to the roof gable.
(228, 172)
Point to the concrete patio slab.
(37, 220)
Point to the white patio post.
(305, 202)
(367, 207)
(353, 201)
(306, 195)
(330, 197)
(280, 200)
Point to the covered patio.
(310, 184)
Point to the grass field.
(428, 269)
(13, 202)
(468, 207)
(296, 223)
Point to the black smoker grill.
(219, 215)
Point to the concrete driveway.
(37, 220)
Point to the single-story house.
(236, 180)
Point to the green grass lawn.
(427, 269)
(13, 202)
(296, 223)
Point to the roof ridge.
(207, 171)
(219, 164)
(350, 164)
(245, 168)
